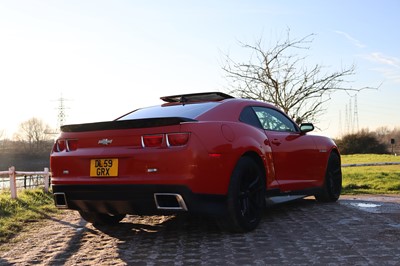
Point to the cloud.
(388, 66)
(383, 59)
(389, 73)
(354, 41)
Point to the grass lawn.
(369, 158)
(371, 179)
(31, 205)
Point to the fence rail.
(13, 174)
(23, 182)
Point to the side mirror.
(306, 127)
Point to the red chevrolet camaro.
(204, 153)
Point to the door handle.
(276, 142)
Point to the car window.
(271, 119)
(181, 110)
(248, 116)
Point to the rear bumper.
(137, 199)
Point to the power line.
(356, 121)
(340, 124)
(61, 115)
(352, 124)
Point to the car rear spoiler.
(196, 97)
(126, 124)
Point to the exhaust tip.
(60, 200)
(170, 201)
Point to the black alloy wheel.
(332, 188)
(246, 196)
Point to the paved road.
(354, 231)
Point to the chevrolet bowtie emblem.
(105, 141)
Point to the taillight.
(165, 140)
(177, 139)
(71, 144)
(152, 141)
(59, 145)
(65, 145)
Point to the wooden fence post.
(13, 182)
(46, 179)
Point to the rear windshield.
(192, 111)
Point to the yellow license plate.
(103, 167)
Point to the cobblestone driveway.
(350, 232)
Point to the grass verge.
(32, 205)
(371, 179)
(369, 158)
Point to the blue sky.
(109, 57)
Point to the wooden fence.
(12, 174)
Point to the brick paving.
(350, 232)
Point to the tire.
(246, 197)
(101, 218)
(330, 192)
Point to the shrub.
(363, 142)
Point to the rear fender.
(247, 145)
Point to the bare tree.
(279, 75)
(33, 133)
(382, 132)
